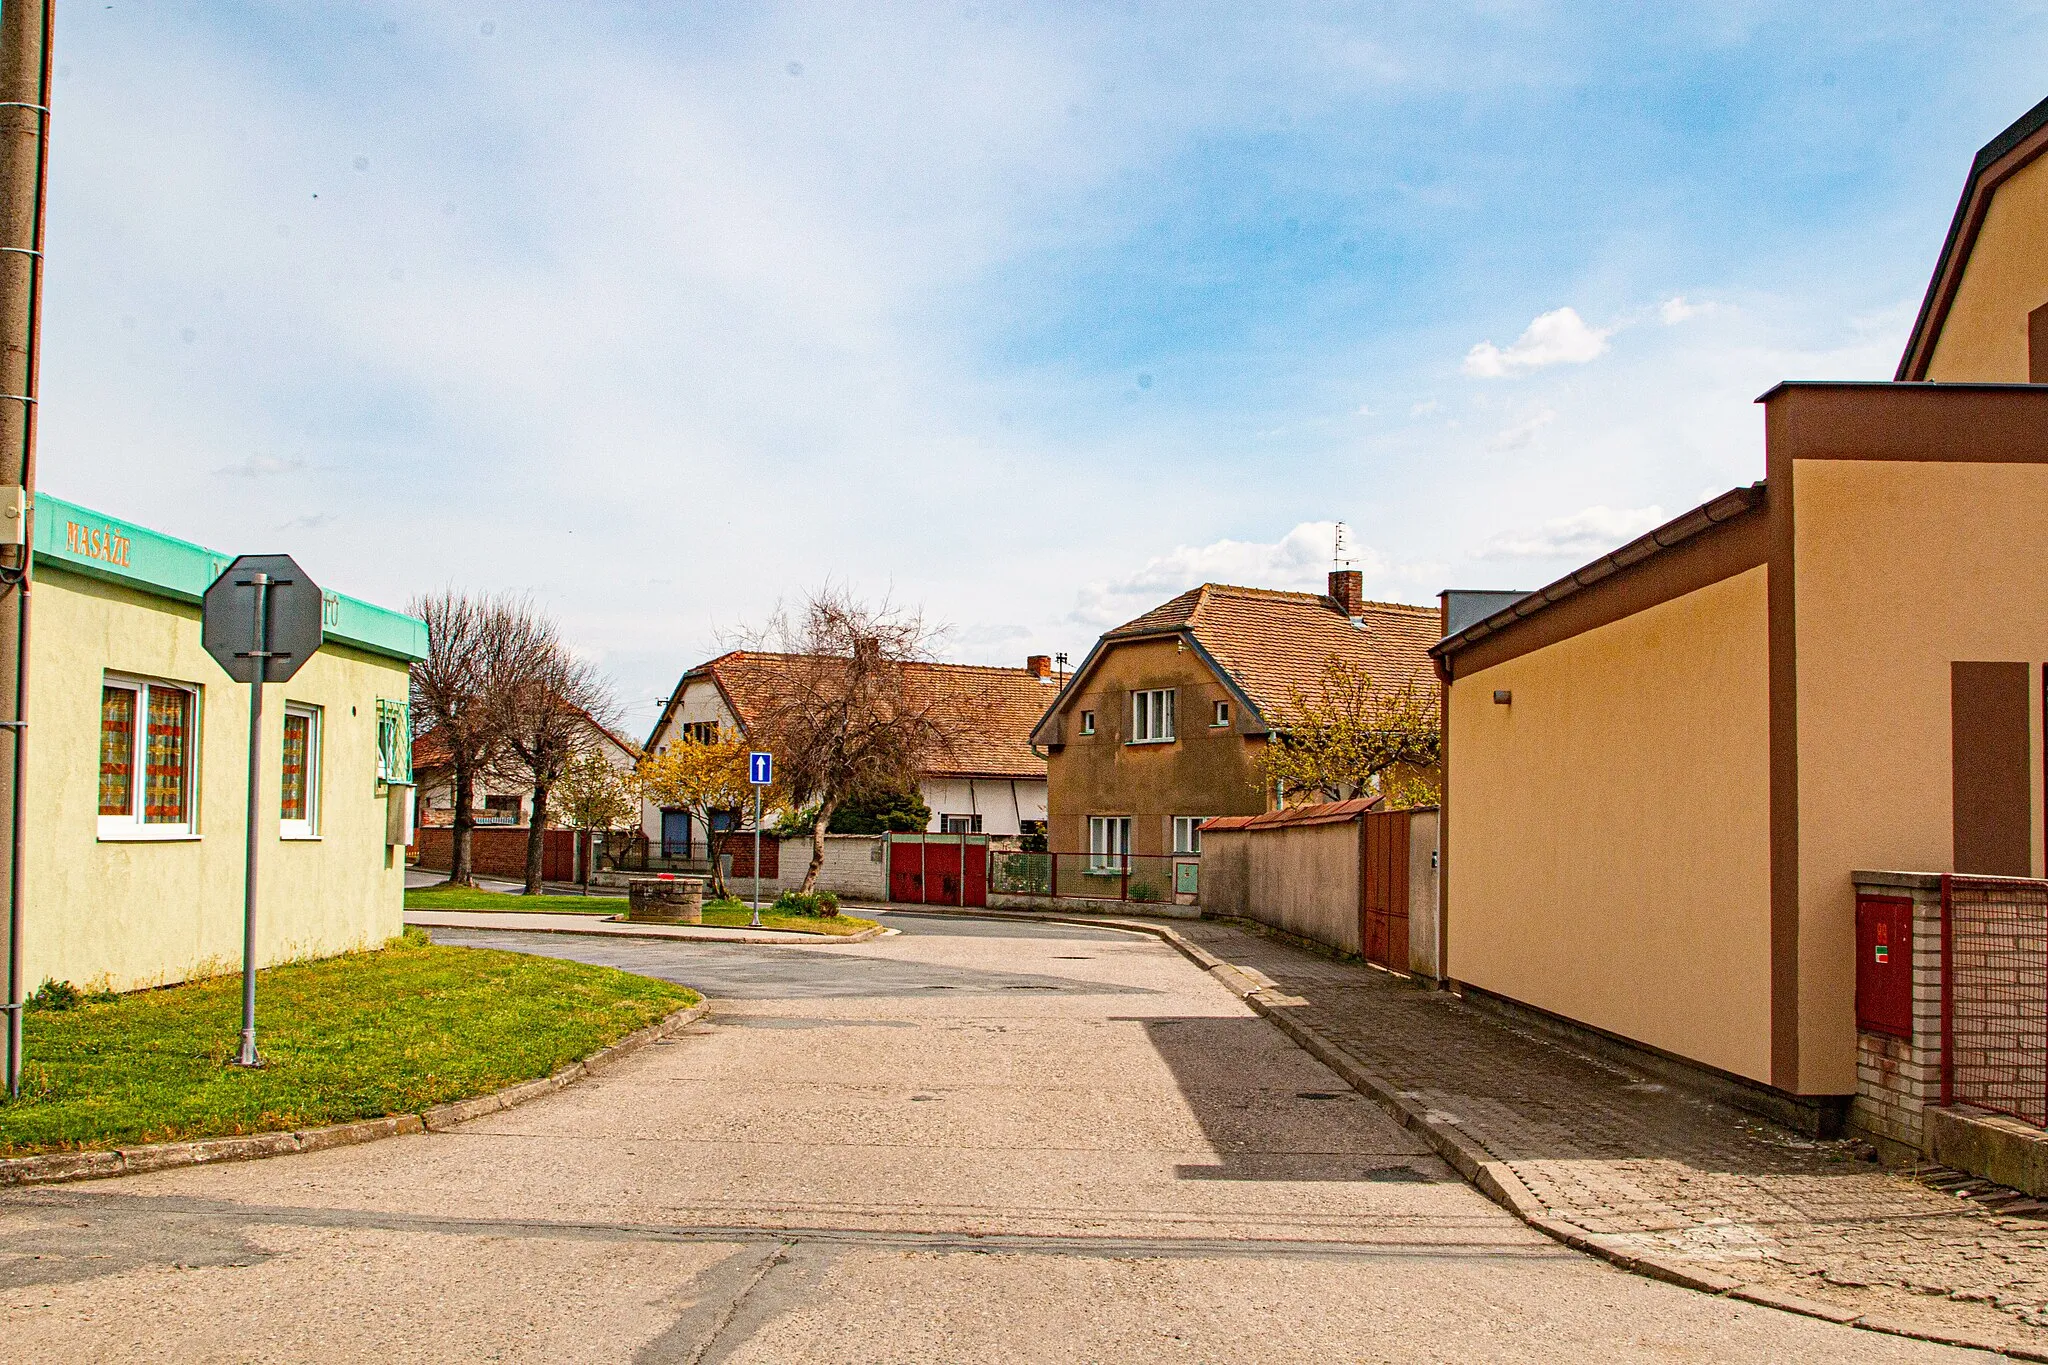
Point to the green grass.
(352, 1037)
(464, 898)
(727, 914)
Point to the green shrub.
(823, 904)
(55, 996)
(1144, 891)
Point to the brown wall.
(1610, 827)
(1205, 771)
(1984, 338)
(1903, 569)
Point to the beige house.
(1663, 768)
(497, 799)
(137, 777)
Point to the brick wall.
(501, 852)
(1898, 1078)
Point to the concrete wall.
(1902, 568)
(133, 914)
(853, 867)
(1207, 770)
(1423, 827)
(1304, 880)
(1226, 874)
(1611, 828)
(1984, 339)
(1003, 803)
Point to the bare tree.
(852, 709)
(552, 707)
(455, 694)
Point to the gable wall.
(1984, 337)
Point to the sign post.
(260, 620)
(760, 772)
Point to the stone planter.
(665, 900)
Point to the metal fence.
(1994, 995)
(1157, 878)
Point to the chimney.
(1039, 666)
(1347, 586)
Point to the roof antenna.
(1340, 557)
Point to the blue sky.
(1028, 315)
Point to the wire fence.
(1994, 995)
(1158, 878)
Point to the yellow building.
(138, 769)
(1663, 769)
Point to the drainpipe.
(24, 165)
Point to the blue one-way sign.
(761, 769)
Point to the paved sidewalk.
(1654, 1168)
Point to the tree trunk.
(460, 872)
(714, 846)
(536, 838)
(825, 809)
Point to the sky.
(1026, 317)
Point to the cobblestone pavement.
(1667, 1171)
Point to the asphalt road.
(972, 1141)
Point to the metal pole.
(24, 175)
(261, 582)
(757, 859)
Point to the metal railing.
(1994, 995)
(1157, 878)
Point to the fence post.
(1124, 894)
(1947, 1023)
(1054, 858)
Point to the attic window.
(1087, 722)
(1222, 714)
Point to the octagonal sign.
(291, 625)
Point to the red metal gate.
(938, 871)
(1383, 887)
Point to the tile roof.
(998, 705)
(1274, 643)
(1293, 817)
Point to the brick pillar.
(1898, 1078)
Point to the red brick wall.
(741, 847)
(501, 852)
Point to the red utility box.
(1884, 965)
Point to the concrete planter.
(665, 900)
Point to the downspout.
(21, 23)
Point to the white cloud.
(1299, 560)
(1582, 535)
(261, 466)
(1522, 432)
(1559, 337)
(1678, 308)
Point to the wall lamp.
(1503, 697)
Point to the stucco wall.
(1903, 568)
(853, 867)
(1001, 802)
(1226, 873)
(1304, 879)
(140, 914)
(1207, 770)
(1610, 828)
(1984, 339)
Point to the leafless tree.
(551, 708)
(853, 708)
(455, 696)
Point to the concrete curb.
(57, 1167)
(1496, 1179)
(733, 936)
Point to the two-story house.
(1163, 723)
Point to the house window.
(1152, 716)
(147, 726)
(1187, 833)
(1109, 842)
(1087, 722)
(1222, 716)
(959, 824)
(700, 732)
(500, 810)
(299, 788)
(394, 742)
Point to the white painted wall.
(1002, 803)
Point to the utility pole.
(24, 167)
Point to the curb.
(1496, 1180)
(57, 1167)
(810, 941)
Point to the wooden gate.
(938, 870)
(1383, 888)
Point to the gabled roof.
(1000, 705)
(1999, 159)
(1267, 645)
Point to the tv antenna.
(1340, 557)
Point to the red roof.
(1321, 813)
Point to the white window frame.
(131, 828)
(970, 824)
(1220, 716)
(1187, 833)
(1109, 842)
(1152, 716)
(308, 828)
(1087, 722)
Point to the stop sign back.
(292, 608)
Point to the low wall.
(500, 851)
(853, 866)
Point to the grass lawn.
(353, 1037)
(729, 914)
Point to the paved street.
(968, 1141)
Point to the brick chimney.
(1347, 586)
(1039, 666)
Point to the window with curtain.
(1109, 842)
(117, 750)
(148, 726)
(299, 785)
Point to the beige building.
(1663, 768)
(138, 769)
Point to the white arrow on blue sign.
(761, 769)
